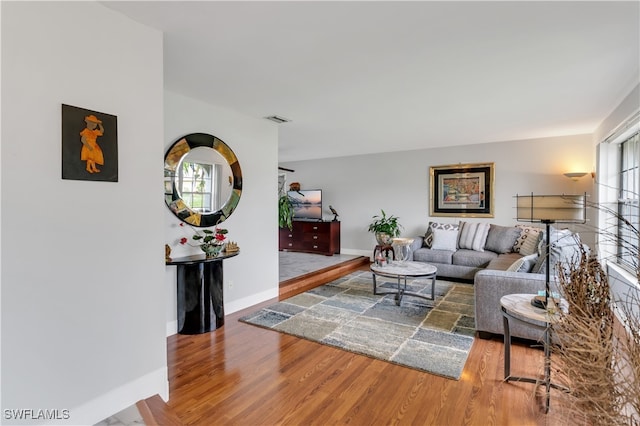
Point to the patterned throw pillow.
(515, 266)
(473, 235)
(428, 236)
(527, 242)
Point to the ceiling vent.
(277, 119)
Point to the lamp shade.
(552, 208)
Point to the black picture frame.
(462, 190)
(93, 160)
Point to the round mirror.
(203, 180)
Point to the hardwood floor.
(245, 375)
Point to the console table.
(200, 293)
(311, 237)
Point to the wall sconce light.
(575, 175)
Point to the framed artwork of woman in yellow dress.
(89, 145)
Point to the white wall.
(359, 186)
(252, 276)
(83, 306)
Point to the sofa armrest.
(490, 286)
(416, 244)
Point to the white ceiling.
(365, 77)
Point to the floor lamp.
(550, 209)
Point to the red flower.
(183, 240)
(220, 237)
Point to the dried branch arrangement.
(599, 363)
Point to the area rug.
(431, 336)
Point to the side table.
(518, 307)
(384, 249)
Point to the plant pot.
(383, 238)
(211, 250)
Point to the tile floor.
(294, 264)
(127, 417)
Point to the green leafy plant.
(285, 212)
(385, 224)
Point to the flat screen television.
(307, 204)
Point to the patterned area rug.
(435, 337)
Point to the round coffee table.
(401, 271)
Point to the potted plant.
(385, 228)
(285, 212)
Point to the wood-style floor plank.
(245, 375)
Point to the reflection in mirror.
(203, 180)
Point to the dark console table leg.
(200, 297)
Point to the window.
(199, 184)
(628, 203)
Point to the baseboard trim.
(254, 299)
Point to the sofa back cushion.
(473, 236)
(501, 239)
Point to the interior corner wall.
(83, 307)
(358, 187)
(252, 276)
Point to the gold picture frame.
(462, 190)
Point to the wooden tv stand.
(311, 237)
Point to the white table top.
(519, 305)
(405, 268)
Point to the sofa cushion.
(472, 258)
(527, 242)
(501, 239)
(444, 239)
(473, 235)
(433, 256)
(428, 236)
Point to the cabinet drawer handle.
(315, 247)
(315, 228)
(290, 236)
(315, 237)
(290, 244)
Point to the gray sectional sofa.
(500, 260)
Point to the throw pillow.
(527, 242)
(528, 262)
(501, 239)
(564, 248)
(428, 236)
(473, 235)
(515, 266)
(444, 239)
